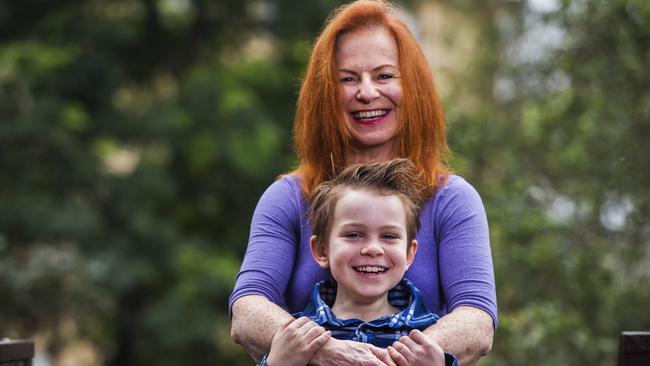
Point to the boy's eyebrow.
(353, 224)
(383, 227)
(393, 227)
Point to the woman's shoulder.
(284, 184)
(455, 191)
(455, 185)
(285, 190)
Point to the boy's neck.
(346, 307)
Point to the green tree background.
(137, 136)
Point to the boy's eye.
(391, 236)
(352, 235)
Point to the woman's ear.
(318, 252)
(410, 253)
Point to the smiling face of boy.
(367, 247)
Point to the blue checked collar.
(404, 296)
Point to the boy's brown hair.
(397, 176)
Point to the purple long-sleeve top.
(452, 267)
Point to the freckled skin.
(370, 80)
(466, 332)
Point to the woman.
(368, 95)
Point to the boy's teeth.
(370, 114)
(371, 269)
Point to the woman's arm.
(266, 269)
(255, 321)
(466, 274)
(466, 332)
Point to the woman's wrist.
(324, 353)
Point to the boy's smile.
(366, 250)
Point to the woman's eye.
(385, 76)
(347, 79)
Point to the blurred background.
(137, 135)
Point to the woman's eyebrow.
(375, 69)
(391, 66)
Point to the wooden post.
(634, 349)
(16, 352)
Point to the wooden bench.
(634, 349)
(16, 352)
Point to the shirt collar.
(404, 296)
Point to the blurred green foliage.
(137, 136)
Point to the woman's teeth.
(369, 114)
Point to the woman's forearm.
(255, 320)
(466, 332)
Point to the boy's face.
(366, 250)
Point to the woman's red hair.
(321, 138)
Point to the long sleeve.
(465, 258)
(272, 247)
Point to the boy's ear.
(410, 253)
(318, 252)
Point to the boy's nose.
(372, 249)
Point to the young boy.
(364, 223)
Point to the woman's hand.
(417, 350)
(343, 353)
(296, 343)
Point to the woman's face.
(370, 89)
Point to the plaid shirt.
(381, 332)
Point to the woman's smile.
(370, 89)
(371, 116)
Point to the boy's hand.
(349, 353)
(416, 349)
(296, 343)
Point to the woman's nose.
(372, 249)
(367, 90)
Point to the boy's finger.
(314, 332)
(307, 325)
(383, 355)
(397, 357)
(408, 342)
(419, 337)
(319, 341)
(300, 322)
(287, 323)
(404, 350)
